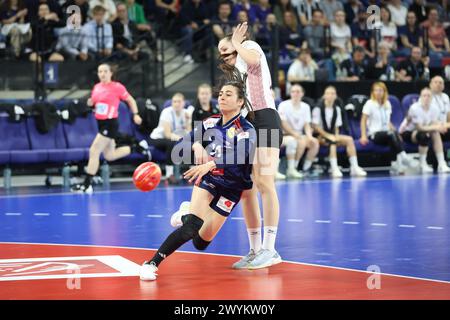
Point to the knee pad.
(199, 243)
(191, 226)
(423, 139)
(291, 147)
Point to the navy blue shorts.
(224, 200)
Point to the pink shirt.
(106, 98)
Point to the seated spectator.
(302, 69)
(166, 14)
(313, 35)
(72, 43)
(99, 35)
(263, 8)
(33, 8)
(296, 118)
(305, 10)
(414, 68)
(204, 107)
(352, 8)
(441, 100)
(281, 6)
(422, 126)
(15, 27)
(108, 5)
(43, 41)
(398, 11)
(247, 6)
(340, 38)
(376, 126)
(329, 8)
(383, 66)
(420, 9)
(355, 68)
(326, 122)
(437, 37)
(411, 35)
(388, 29)
(126, 36)
(264, 32)
(82, 4)
(222, 23)
(291, 39)
(362, 34)
(174, 123)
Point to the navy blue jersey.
(231, 146)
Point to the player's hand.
(364, 141)
(90, 103)
(239, 33)
(196, 173)
(200, 154)
(137, 119)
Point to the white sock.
(270, 235)
(169, 171)
(423, 159)
(291, 164)
(403, 155)
(333, 163)
(307, 164)
(441, 159)
(353, 161)
(254, 238)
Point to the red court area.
(35, 271)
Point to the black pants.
(166, 145)
(389, 138)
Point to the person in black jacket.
(205, 107)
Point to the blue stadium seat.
(408, 100)
(81, 133)
(397, 112)
(356, 133)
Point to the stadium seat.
(397, 112)
(408, 100)
(81, 133)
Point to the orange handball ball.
(146, 177)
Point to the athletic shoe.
(336, 173)
(188, 59)
(280, 176)
(397, 168)
(175, 220)
(264, 258)
(81, 188)
(311, 173)
(424, 168)
(292, 173)
(148, 272)
(243, 263)
(358, 172)
(443, 169)
(409, 162)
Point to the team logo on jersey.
(231, 132)
(225, 204)
(243, 135)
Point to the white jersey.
(379, 117)
(418, 116)
(178, 123)
(259, 81)
(442, 102)
(296, 116)
(317, 117)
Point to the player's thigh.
(100, 143)
(212, 223)
(343, 140)
(200, 201)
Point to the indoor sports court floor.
(331, 233)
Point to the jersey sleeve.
(367, 109)
(282, 111)
(338, 117)
(316, 116)
(122, 92)
(308, 114)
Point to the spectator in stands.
(204, 107)
(376, 126)
(247, 6)
(242, 16)
(354, 68)
(263, 8)
(302, 69)
(326, 122)
(398, 11)
(296, 118)
(174, 123)
(420, 9)
(329, 8)
(441, 100)
(362, 34)
(313, 35)
(193, 16)
(384, 65)
(340, 38)
(388, 29)
(352, 8)
(264, 32)
(437, 37)
(411, 35)
(305, 10)
(33, 8)
(421, 126)
(72, 43)
(414, 68)
(281, 6)
(291, 38)
(13, 18)
(109, 6)
(167, 11)
(44, 40)
(82, 4)
(222, 23)
(99, 35)
(126, 36)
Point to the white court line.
(13, 214)
(406, 226)
(295, 220)
(154, 215)
(378, 224)
(70, 214)
(98, 215)
(322, 221)
(41, 214)
(435, 228)
(126, 215)
(237, 218)
(350, 222)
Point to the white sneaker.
(264, 258)
(358, 172)
(397, 168)
(244, 262)
(409, 162)
(188, 59)
(425, 168)
(280, 176)
(81, 188)
(175, 219)
(336, 173)
(148, 272)
(292, 173)
(443, 169)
